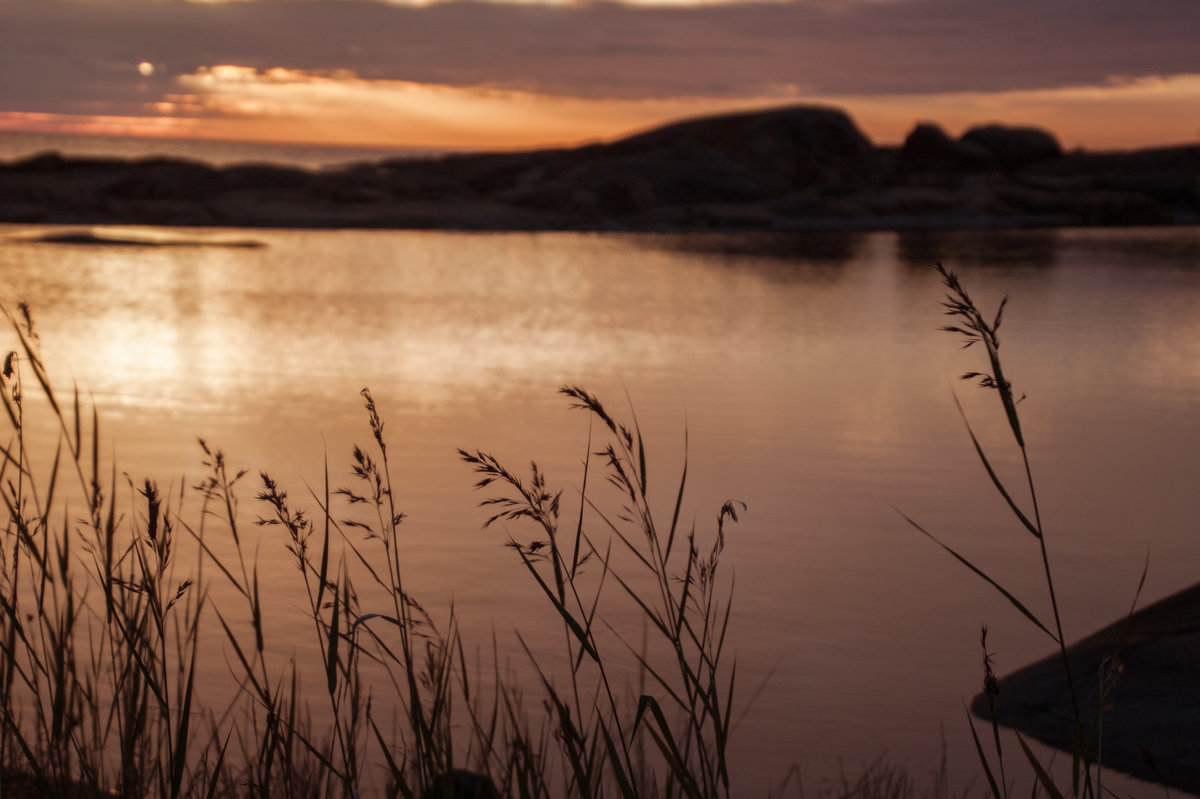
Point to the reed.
(102, 627)
(98, 634)
(1086, 775)
(680, 599)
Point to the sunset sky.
(520, 73)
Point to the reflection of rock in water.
(1006, 248)
(827, 249)
(124, 237)
(1153, 707)
(1176, 249)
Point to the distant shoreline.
(796, 169)
(22, 145)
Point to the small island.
(798, 168)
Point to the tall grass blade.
(32, 761)
(996, 481)
(323, 571)
(663, 738)
(182, 739)
(247, 669)
(394, 769)
(983, 760)
(641, 453)
(615, 757)
(1004, 591)
(52, 480)
(331, 664)
(256, 613)
(580, 634)
(75, 417)
(214, 780)
(234, 582)
(581, 770)
(583, 493)
(1043, 777)
(679, 495)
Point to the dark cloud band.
(81, 57)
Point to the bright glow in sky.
(291, 105)
(525, 73)
(231, 102)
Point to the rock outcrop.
(1147, 664)
(796, 168)
(1015, 148)
(929, 150)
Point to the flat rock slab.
(1151, 720)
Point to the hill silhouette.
(793, 168)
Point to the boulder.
(1146, 662)
(929, 149)
(1015, 147)
(780, 150)
(821, 132)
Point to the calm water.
(809, 377)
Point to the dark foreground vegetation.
(101, 628)
(1068, 699)
(798, 168)
(103, 619)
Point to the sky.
(508, 74)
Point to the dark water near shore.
(808, 374)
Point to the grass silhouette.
(102, 627)
(100, 636)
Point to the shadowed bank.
(1139, 674)
(789, 169)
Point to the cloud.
(283, 104)
(561, 71)
(74, 56)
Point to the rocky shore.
(1150, 709)
(791, 169)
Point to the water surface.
(806, 375)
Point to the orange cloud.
(101, 125)
(236, 102)
(292, 105)
(340, 107)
